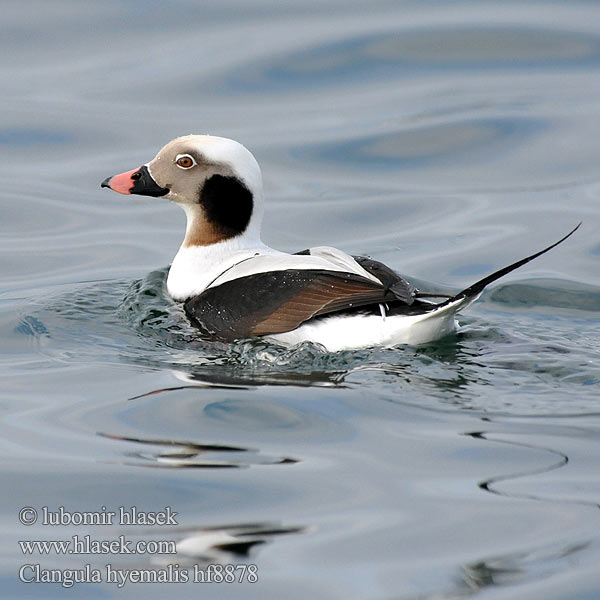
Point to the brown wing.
(279, 301)
(325, 294)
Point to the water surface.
(446, 141)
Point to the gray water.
(445, 139)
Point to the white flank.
(348, 332)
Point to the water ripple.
(401, 54)
(182, 454)
(467, 141)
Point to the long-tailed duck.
(234, 286)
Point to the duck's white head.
(215, 180)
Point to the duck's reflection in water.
(213, 544)
(225, 543)
(514, 568)
(183, 454)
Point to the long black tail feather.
(476, 289)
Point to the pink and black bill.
(137, 181)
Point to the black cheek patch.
(227, 204)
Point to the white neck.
(194, 268)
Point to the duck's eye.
(185, 161)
